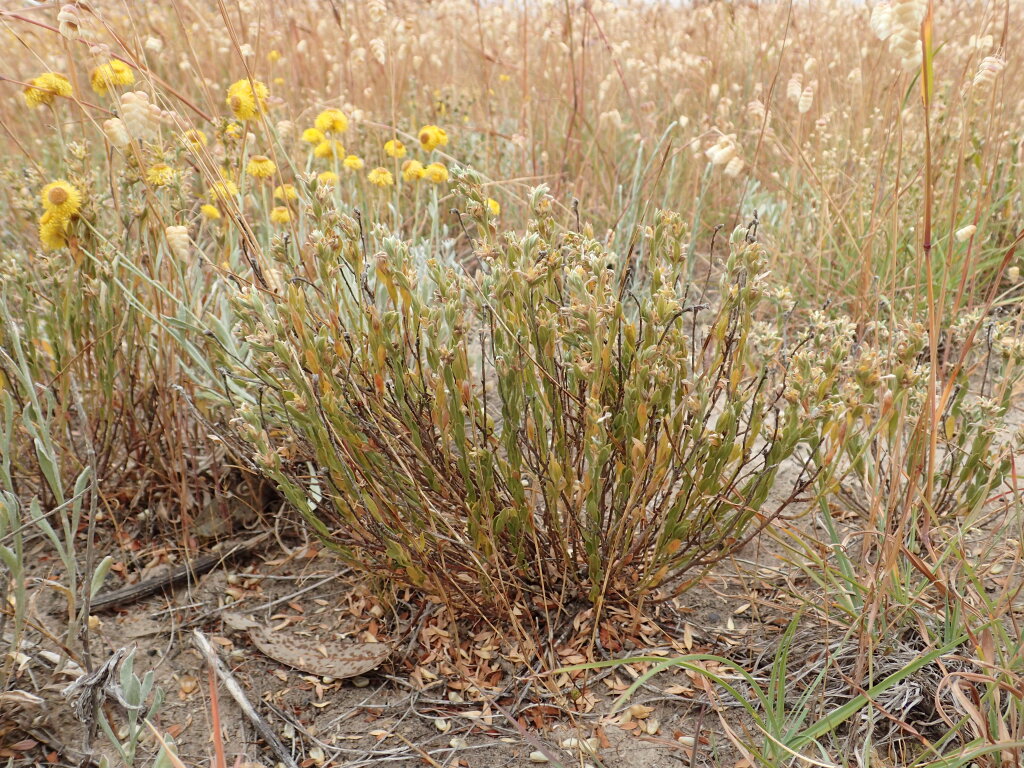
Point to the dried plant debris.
(920, 706)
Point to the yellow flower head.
(61, 199)
(381, 177)
(330, 178)
(247, 99)
(274, 56)
(493, 206)
(209, 211)
(286, 192)
(52, 231)
(46, 88)
(313, 136)
(432, 137)
(331, 121)
(261, 167)
(412, 170)
(394, 148)
(436, 172)
(329, 148)
(114, 73)
(232, 131)
(223, 190)
(280, 215)
(160, 175)
(194, 138)
(353, 163)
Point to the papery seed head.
(965, 233)
(881, 20)
(806, 99)
(795, 87)
(988, 71)
(69, 23)
(178, 241)
(116, 132)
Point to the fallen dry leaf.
(18, 698)
(339, 660)
(188, 684)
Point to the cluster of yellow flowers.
(61, 202)
(248, 98)
(286, 192)
(332, 122)
(114, 73)
(194, 138)
(413, 170)
(381, 177)
(160, 175)
(328, 125)
(261, 167)
(432, 137)
(223, 190)
(46, 88)
(283, 193)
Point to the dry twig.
(261, 725)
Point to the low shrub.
(565, 425)
(898, 464)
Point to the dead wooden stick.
(261, 725)
(187, 572)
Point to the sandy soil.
(411, 709)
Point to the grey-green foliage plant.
(13, 577)
(137, 697)
(141, 701)
(568, 423)
(28, 414)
